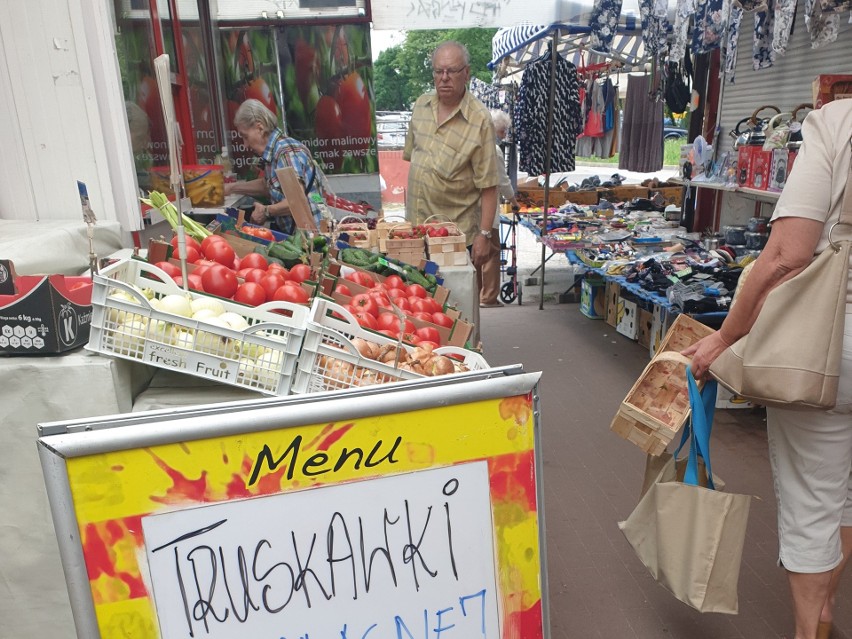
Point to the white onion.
(176, 305)
(204, 302)
(204, 313)
(234, 320)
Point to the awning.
(516, 46)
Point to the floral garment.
(604, 23)
(655, 25)
(823, 24)
(709, 30)
(785, 13)
(683, 12)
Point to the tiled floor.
(597, 586)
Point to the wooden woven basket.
(657, 406)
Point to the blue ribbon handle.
(697, 430)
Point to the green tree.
(407, 67)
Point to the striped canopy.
(516, 46)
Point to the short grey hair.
(500, 119)
(453, 43)
(253, 112)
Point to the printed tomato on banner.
(328, 95)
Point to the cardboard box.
(45, 314)
(646, 325)
(778, 169)
(628, 320)
(661, 320)
(745, 154)
(593, 298)
(761, 162)
(612, 294)
(829, 87)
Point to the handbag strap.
(697, 430)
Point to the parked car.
(671, 131)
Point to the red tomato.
(403, 304)
(193, 254)
(442, 319)
(394, 281)
(364, 319)
(238, 263)
(394, 293)
(359, 277)
(426, 317)
(210, 239)
(434, 305)
(190, 242)
(391, 322)
(343, 290)
(300, 272)
(354, 102)
(278, 270)
(220, 281)
(254, 274)
(170, 269)
(389, 333)
(428, 333)
(416, 290)
(380, 297)
(307, 67)
(220, 252)
(420, 305)
(411, 338)
(199, 269)
(250, 293)
(294, 294)
(254, 260)
(271, 283)
(195, 282)
(365, 304)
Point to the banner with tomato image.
(115, 492)
(142, 98)
(206, 147)
(250, 70)
(328, 94)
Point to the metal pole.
(554, 51)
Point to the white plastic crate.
(329, 360)
(261, 357)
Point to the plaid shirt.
(280, 152)
(450, 163)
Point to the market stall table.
(33, 600)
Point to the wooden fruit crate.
(671, 194)
(622, 193)
(360, 235)
(535, 197)
(657, 406)
(582, 197)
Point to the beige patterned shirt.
(450, 163)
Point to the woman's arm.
(789, 250)
(255, 188)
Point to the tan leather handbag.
(791, 357)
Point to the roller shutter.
(788, 82)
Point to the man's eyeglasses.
(449, 72)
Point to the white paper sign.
(400, 557)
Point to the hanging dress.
(530, 118)
(642, 132)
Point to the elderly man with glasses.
(450, 145)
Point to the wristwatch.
(484, 233)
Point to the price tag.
(390, 265)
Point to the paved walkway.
(598, 588)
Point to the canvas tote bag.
(791, 356)
(689, 537)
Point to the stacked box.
(628, 321)
(593, 298)
(613, 294)
(645, 319)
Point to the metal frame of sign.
(61, 443)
